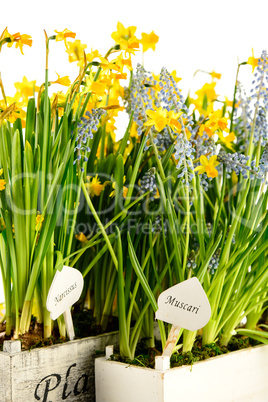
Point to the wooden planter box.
(51, 374)
(239, 376)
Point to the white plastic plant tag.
(185, 305)
(64, 291)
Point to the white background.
(208, 35)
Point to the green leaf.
(118, 177)
(140, 274)
(124, 330)
(30, 121)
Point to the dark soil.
(84, 325)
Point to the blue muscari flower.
(163, 140)
(236, 162)
(263, 165)
(85, 128)
(253, 110)
(205, 145)
(157, 224)
(191, 260)
(261, 126)
(184, 154)
(214, 262)
(141, 96)
(148, 183)
(204, 181)
(209, 228)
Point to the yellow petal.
(203, 160)
(213, 159)
(200, 169)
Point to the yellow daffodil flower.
(125, 38)
(60, 98)
(206, 96)
(227, 140)
(2, 184)
(75, 51)
(63, 35)
(92, 55)
(173, 120)
(253, 61)
(229, 103)
(106, 65)
(121, 62)
(160, 118)
(125, 189)
(94, 187)
(81, 237)
(215, 75)
(65, 81)
(148, 41)
(1, 171)
(18, 39)
(2, 224)
(13, 111)
(96, 87)
(123, 33)
(118, 76)
(174, 75)
(214, 124)
(208, 166)
(38, 222)
(26, 88)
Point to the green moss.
(146, 357)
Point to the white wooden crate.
(240, 376)
(54, 373)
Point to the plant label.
(64, 291)
(185, 305)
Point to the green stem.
(96, 217)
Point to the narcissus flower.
(123, 33)
(106, 65)
(148, 41)
(65, 81)
(66, 33)
(125, 189)
(160, 118)
(2, 225)
(17, 38)
(208, 166)
(206, 96)
(215, 75)
(81, 237)
(92, 55)
(13, 111)
(38, 222)
(174, 75)
(26, 88)
(121, 62)
(94, 187)
(75, 50)
(253, 61)
(227, 140)
(125, 38)
(215, 123)
(2, 184)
